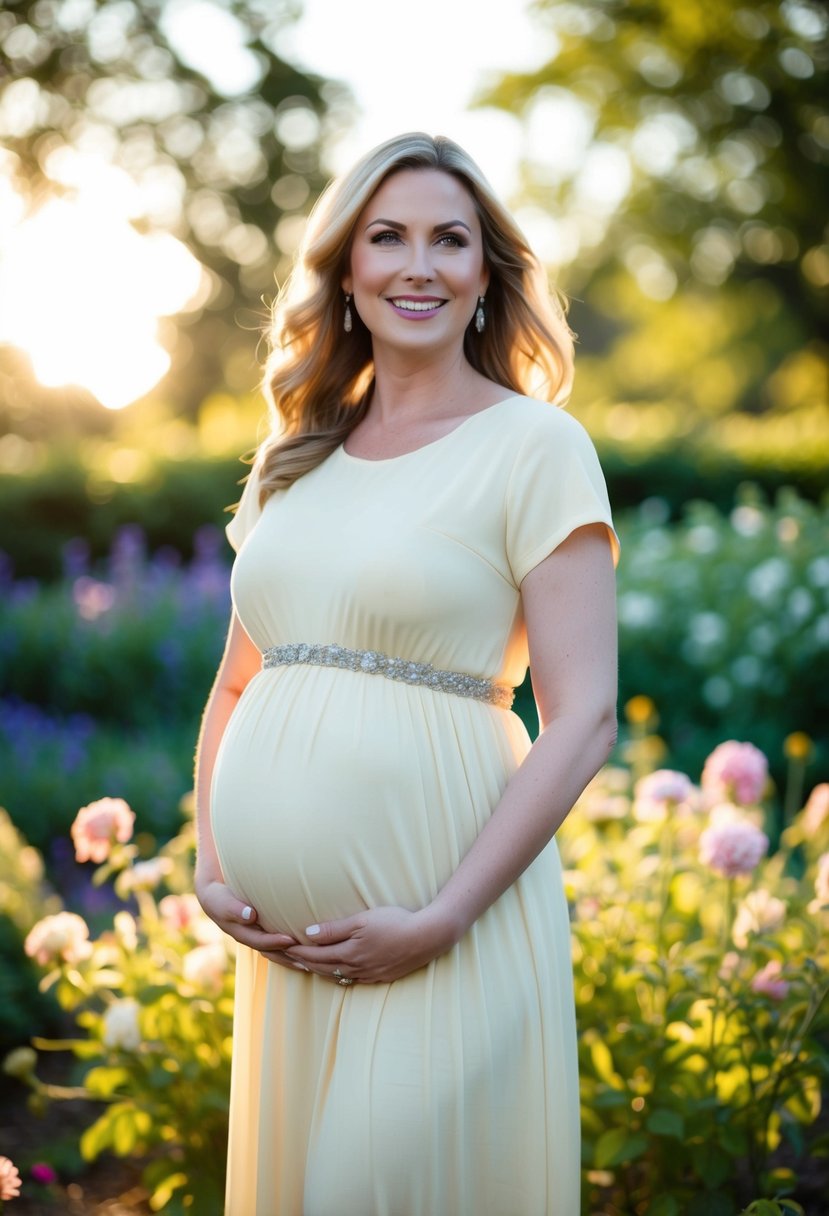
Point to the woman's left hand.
(373, 947)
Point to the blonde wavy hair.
(318, 380)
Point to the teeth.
(418, 305)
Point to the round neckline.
(433, 442)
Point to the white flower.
(638, 610)
(205, 967)
(121, 1028)
(144, 875)
(702, 539)
(747, 521)
(767, 580)
(817, 572)
(759, 912)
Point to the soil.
(109, 1186)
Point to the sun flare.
(82, 291)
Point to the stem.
(728, 914)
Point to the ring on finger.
(340, 978)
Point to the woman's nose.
(419, 265)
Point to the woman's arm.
(240, 663)
(569, 607)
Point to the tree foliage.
(223, 167)
(718, 114)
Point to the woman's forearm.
(536, 801)
(220, 705)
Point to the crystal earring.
(480, 316)
(347, 322)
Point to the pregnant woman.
(376, 830)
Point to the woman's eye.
(452, 240)
(384, 238)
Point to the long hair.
(318, 380)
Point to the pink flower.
(768, 982)
(9, 1179)
(735, 770)
(43, 1173)
(732, 847)
(816, 810)
(655, 794)
(143, 875)
(728, 966)
(60, 937)
(98, 826)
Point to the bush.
(24, 898)
(701, 980)
(701, 1000)
(724, 624)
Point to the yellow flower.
(20, 1063)
(797, 746)
(641, 711)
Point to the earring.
(347, 322)
(480, 316)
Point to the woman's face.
(417, 262)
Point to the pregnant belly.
(321, 809)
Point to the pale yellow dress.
(453, 1091)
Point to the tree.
(719, 113)
(229, 167)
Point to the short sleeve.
(247, 510)
(556, 486)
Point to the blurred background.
(668, 163)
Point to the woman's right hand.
(239, 921)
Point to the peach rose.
(205, 966)
(9, 1179)
(98, 826)
(61, 937)
(121, 1028)
(759, 912)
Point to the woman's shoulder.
(530, 419)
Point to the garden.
(697, 861)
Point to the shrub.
(701, 978)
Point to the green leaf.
(617, 1146)
(163, 1193)
(733, 1139)
(663, 1205)
(711, 1203)
(153, 992)
(125, 1133)
(102, 1082)
(664, 1122)
(711, 1164)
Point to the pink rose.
(816, 810)
(60, 937)
(659, 791)
(735, 770)
(732, 847)
(768, 982)
(9, 1179)
(98, 826)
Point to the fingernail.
(247, 912)
(312, 930)
(301, 968)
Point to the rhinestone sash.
(374, 662)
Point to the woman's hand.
(239, 921)
(373, 947)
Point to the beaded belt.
(373, 662)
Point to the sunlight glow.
(82, 291)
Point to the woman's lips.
(415, 309)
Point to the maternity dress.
(452, 1091)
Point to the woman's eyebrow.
(402, 227)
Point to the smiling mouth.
(417, 305)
